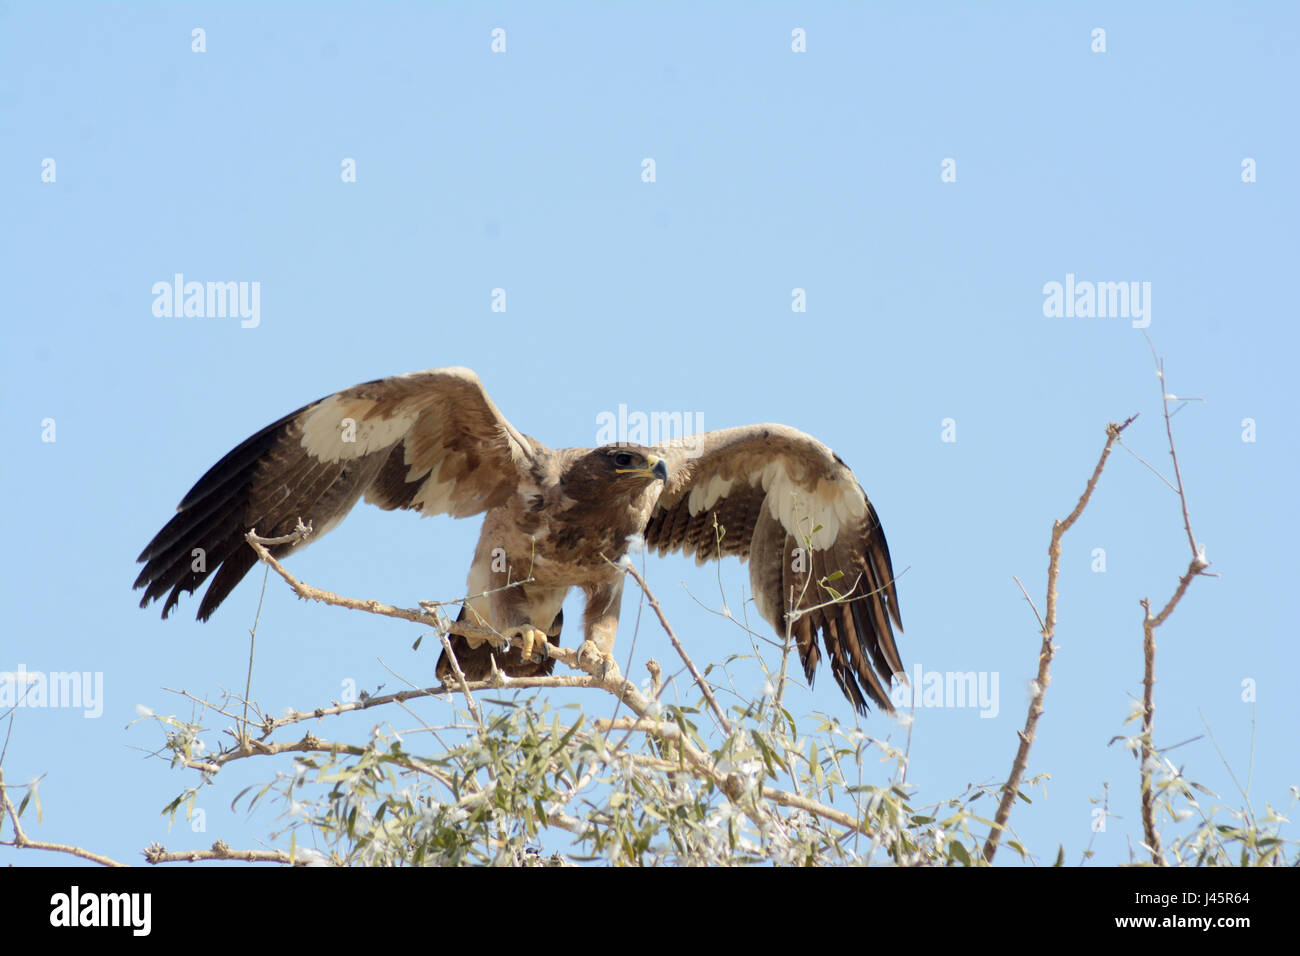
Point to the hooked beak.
(656, 468)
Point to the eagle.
(554, 520)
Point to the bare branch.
(1030, 600)
(1196, 566)
(460, 678)
(630, 569)
(22, 841)
(308, 592)
(157, 853)
(1012, 787)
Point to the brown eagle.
(435, 443)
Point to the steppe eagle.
(434, 442)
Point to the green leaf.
(769, 757)
(35, 798)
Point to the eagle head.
(631, 463)
(615, 473)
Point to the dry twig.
(1196, 566)
(1011, 789)
(22, 841)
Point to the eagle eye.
(623, 460)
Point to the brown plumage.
(434, 442)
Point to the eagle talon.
(590, 654)
(532, 644)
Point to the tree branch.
(22, 841)
(1011, 788)
(1196, 566)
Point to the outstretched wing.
(430, 441)
(786, 503)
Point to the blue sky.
(774, 170)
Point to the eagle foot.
(590, 655)
(532, 643)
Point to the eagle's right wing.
(430, 441)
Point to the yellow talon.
(532, 643)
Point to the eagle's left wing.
(788, 504)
